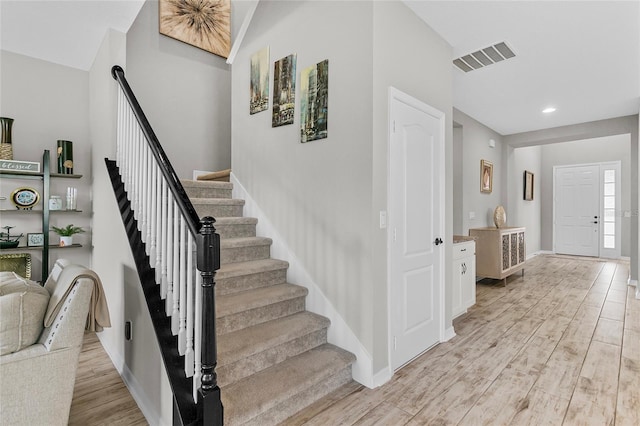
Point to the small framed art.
(528, 186)
(35, 240)
(486, 176)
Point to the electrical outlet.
(383, 219)
(472, 215)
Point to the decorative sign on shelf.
(20, 166)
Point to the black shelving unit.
(45, 176)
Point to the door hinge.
(395, 343)
(394, 126)
(395, 234)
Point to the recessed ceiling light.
(548, 110)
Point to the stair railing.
(171, 231)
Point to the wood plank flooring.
(99, 396)
(559, 346)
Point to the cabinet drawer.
(462, 250)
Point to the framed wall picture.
(35, 240)
(486, 176)
(528, 186)
(203, 24)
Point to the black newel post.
(209, 402)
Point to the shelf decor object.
(7, 240)
(25, 198)
(20, 263)
(6, 147)
(35, 240)
(65, 157)
(66, 234)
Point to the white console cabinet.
(464, 277)
(501, 251)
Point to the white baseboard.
(130, 381)
(339, 333)
(632, 283)
(381, 377)
(449, 334)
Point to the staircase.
(273, 356)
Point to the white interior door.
(415, 222)
(577, 210)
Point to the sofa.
(41, 334)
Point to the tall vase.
(65, 157)
(6, 148)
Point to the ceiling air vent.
(484, 57)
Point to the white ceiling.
(583, 57)
(63, 32)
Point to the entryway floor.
(559, 345)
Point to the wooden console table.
(500, 252)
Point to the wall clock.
(25, 198)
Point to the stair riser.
(244, 254)
(235, 231)
(215, 210)
(194, 192)
(249, 282)
(229, 374)
(281, 412)
(251, 317)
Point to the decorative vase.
(6, 147)
(66, 241)
(499, 217)
(65, 157)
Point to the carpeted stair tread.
(251, 340)
(232, 270)
(231, 243)
(206, 184)
(230, 304)
(247, 399)
(217, 202)
(235, 221)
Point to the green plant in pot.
(66, 234)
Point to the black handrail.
(173, 182)
(209, 405)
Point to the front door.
(416, 199)
(577, 210)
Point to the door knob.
(595, 221)
(438, 241)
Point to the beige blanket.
(98, 317)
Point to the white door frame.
(617, 165)
(395, 94)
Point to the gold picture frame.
(20, 263)
(486, 176)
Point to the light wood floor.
(100, 397)
(560, 345)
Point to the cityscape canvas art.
(259, 81)
(284, 91)
(314, 96)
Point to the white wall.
(48, 102)
(475, 147)
(185, 93)
(317, 194)
(597, 150)
(324, 197)
(527, 213)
